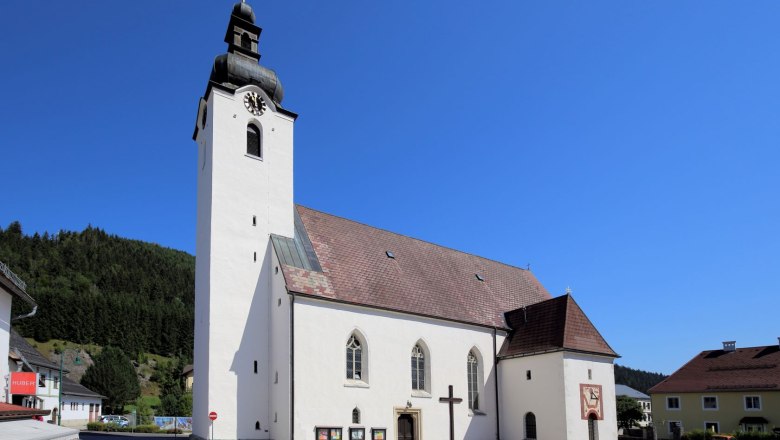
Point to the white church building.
(311, 326)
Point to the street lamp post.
(76, 361)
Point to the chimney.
(732, 345)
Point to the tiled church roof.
(752, 368)
(420, 278)
(553, 325)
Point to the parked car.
(117, 420)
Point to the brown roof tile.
(751, 368)
(423, 278)
(553, 325)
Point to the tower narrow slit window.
(254, 141)
(418, 368)
(472, 372)
(354, 359)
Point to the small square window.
(712, 427)
(672, 403)
(752, 403)
(709, 402)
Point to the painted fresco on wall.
(591, 402)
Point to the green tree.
(113, 376)
(629, 411)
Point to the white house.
(643, 400)
(80, 405)
(11, 286)
(308, 325)
(24, 358)
(16, 421)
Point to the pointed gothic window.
(530, 426)
(354, 359)
(254, 141)
(472, 371)
(356, 416)
(418, 368)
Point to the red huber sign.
(23, 383)
(213, 416)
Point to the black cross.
(451, 401)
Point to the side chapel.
(314, 327)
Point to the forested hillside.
(637, 379)
(94, 287)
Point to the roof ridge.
(416, 239)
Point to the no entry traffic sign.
(213, 416)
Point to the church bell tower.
(245, 193)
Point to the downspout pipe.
(27, 315)
(292, 365)
(495, 382)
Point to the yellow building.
(724, 391)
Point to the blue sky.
(625, 149)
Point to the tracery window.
(355, 416)
(354, 359)
(418, 368)
(472, 371)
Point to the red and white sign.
(24, 383)
(213, 416)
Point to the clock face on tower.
(254, 103)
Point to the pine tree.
(113, 376)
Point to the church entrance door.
(405, 427)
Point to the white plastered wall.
(78, 417)
(323, 396)
(280, 362)
(5, 335)
(542, 395)
(232, 285)
(576, 368)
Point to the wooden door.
(405, 427)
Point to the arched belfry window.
(530, 426)
(418, 368)
(355, 416)
(254, 141)
(246, 42)
(354, 359)
(472, 376)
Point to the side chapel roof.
(343, 260)
(744, 369)
(554, 325)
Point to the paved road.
(128, 436)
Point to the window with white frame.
(418, 368)
(354, 359)
(673, 403)
(713, 427)
(472, 372)
(752, 403)
(709, 403)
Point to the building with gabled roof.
(726, 390)
(309, 325)
(641, 398)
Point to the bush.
(753, 435)
(147, 429)
(697, 434)
(113, 427)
